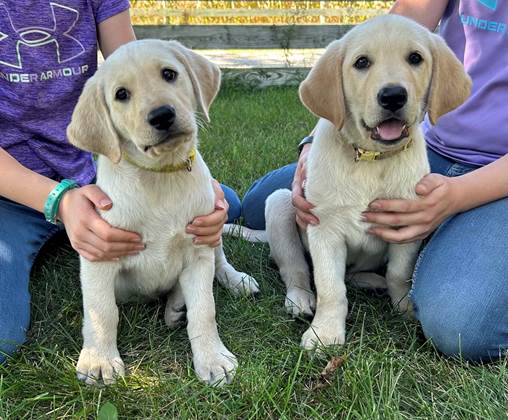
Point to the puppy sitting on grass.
(371, 89)
(138, 112)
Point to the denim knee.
(13, 333)
(23, 231)
(456, 333)
(235, 205)
(253, 205)
(15, 304)
(460, 315)
(460, 291)
(253, 209)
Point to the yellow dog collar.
(372, 155)
(166, 168)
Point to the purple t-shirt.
(476, 132)
(48, 49)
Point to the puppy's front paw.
(300, 302)
(93, 366)
(239, 283)
(316, 337)
(215, 366)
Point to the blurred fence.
(261, 12)
(262, 35)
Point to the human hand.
(304, 216)
(208, 229)
(404, 221)
(90, 235)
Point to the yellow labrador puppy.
(371, 89)
(138, 112)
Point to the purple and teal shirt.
(477, 131)
(48, 50)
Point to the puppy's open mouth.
(389, 131)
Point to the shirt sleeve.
(104, 9)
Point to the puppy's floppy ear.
(450, 85)
(205, 75)
(91, 128)
(321, 91)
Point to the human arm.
(401, 221)
(426, 12)
(114, 32)
(89, 234)
(22, 185)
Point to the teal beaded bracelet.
(54, 198)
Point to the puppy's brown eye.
(169, 75)
(362, 63)
(122, 94)
(414, 58)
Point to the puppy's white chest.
(159, 209)
(342, 190)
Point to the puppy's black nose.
(392, 98)
(162, 118)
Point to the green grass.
(389, 371)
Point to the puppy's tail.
(250, 235)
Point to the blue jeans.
(23, 232)
(235, 205)
(460, 283)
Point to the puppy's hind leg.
(367, 280)
(175, 313)
(239, 283)
(401, 262)
(287, 251)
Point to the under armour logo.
(491, 4)
(12, 39)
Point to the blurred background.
(274, 42)
(269, 12)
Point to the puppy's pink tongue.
(390, 129)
